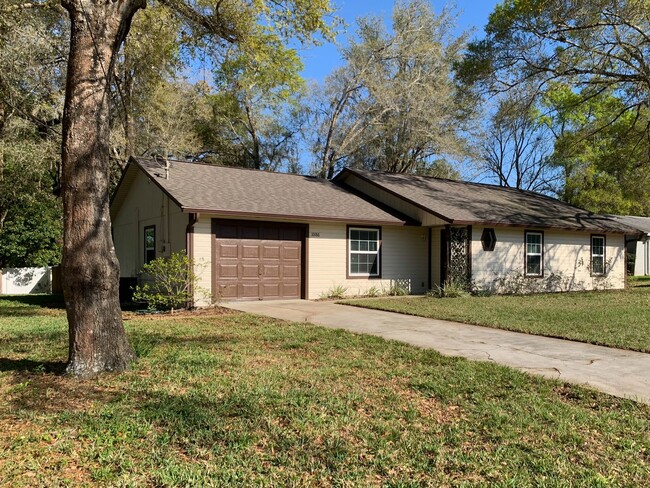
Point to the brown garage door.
(257, 260)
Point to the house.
(263, 235)
(638, 249)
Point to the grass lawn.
(610, 318)
(242, 400)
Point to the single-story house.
(263, 235)
(638, 249)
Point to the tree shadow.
(43, 301)
(31, 366)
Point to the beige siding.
(435, 256)
(566, 260)
(422, 216)
(144, 205)
(404, 257)
(202, 244)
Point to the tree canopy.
(394, 105)
(588, 63)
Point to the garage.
(257, 260)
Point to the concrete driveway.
(614, 371)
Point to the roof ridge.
(476, 183)
(214, 165)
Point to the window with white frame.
(363, 248)
(598, 255)
(534, 253)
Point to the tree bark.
(90, 268)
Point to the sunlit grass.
(610, 318)
(249, 401)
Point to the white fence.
(22, 281)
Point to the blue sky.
(320, 61)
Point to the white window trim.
(377, 230)
(540, 254)
(592, 254)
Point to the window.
(534, 254)
(488, 239)
(598, 255)
(149, 244)
(364, 244)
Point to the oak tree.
(98, 29)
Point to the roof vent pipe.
(166, 168)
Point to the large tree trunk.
(90, 268)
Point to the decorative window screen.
(458, 267)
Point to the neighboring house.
(639, 248)
(262, 235)
(21, 281)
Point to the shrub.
(169, 283)
(453, 288)
(398, 289)
(337, 291)
(373, 291)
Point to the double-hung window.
(364, 255)
(149, 244)
(534, 253)
(598, 255)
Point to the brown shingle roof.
(208, 188)
(640, 223)
(477, 203)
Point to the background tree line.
(554, 98)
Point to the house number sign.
(315, 234)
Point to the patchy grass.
(243, 400)
(609, 318)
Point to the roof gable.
(197, 187)
(460, 202)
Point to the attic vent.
(488, 239)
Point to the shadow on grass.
(31, 366)
(43, 301)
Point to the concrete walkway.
(614, 371)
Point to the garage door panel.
(271, 290)
(290, 289)
(227, 292)
(250, 270)
(290, 271)
(270, 271)
(271, 251)
(249, 290)
(228, 270)
(250, 250)
(290, 251)
(257, 260)
(227, 249)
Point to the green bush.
(452, 288)
(335, 292)
(168, 283)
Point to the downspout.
(189, 248)
(430, 260)
(646, 248)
